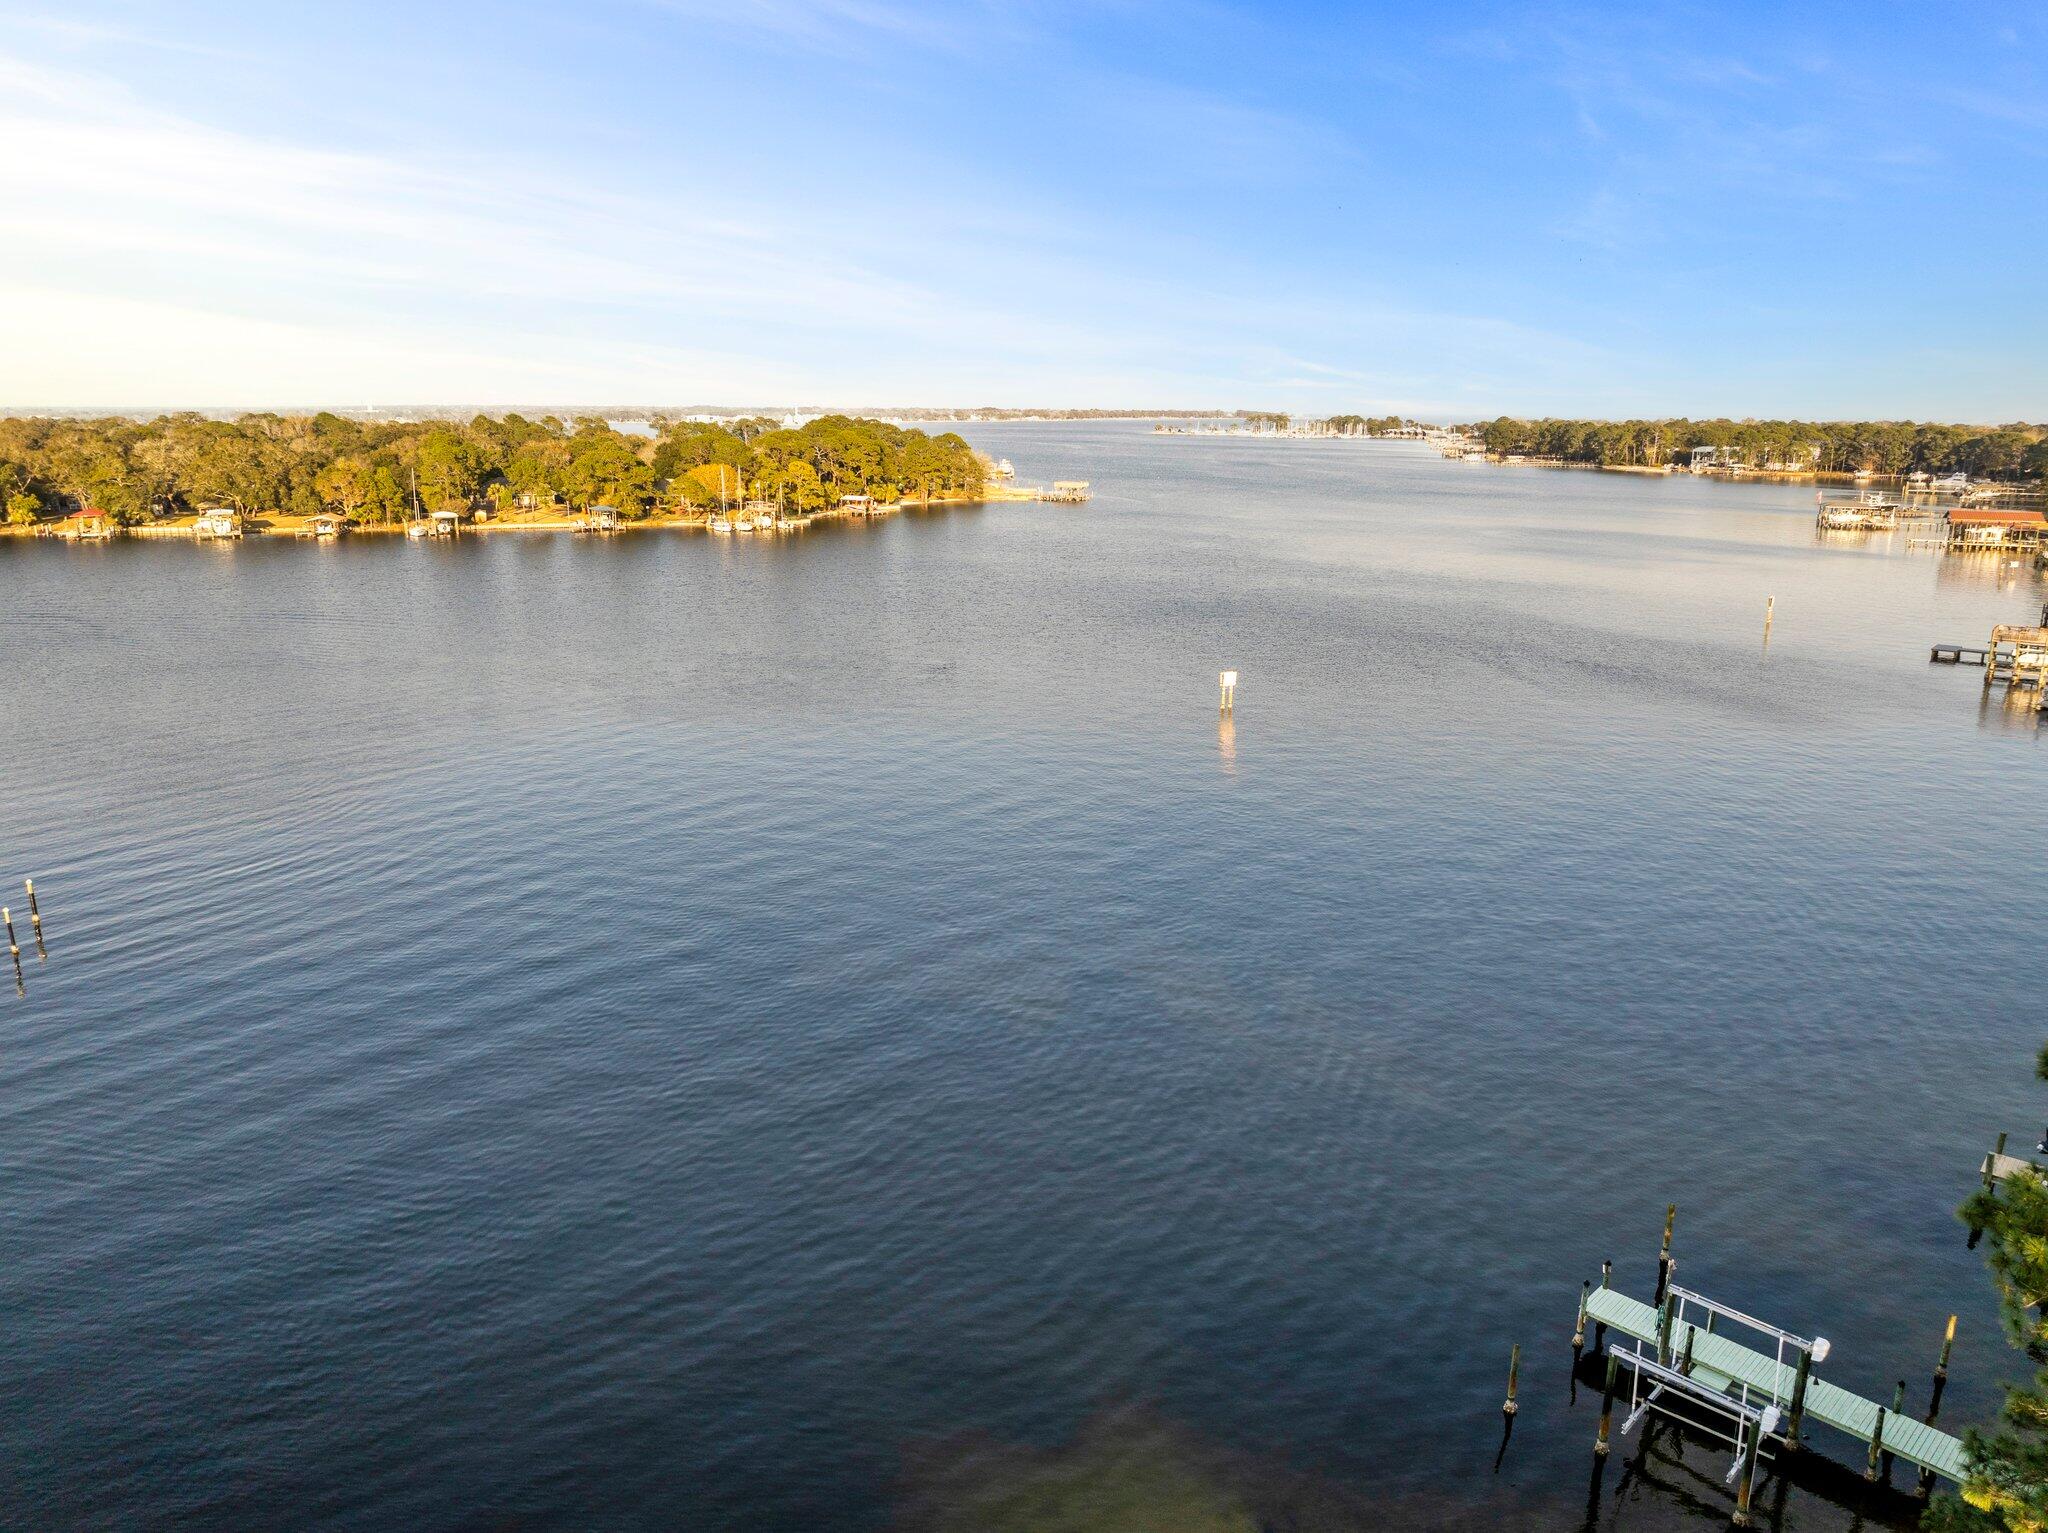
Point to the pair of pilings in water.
(1749, 1441)
(35, 920)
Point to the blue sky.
(1451, 211)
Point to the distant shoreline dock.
(224, 525)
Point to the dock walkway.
(1730, 1366)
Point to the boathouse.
(327, 524)
(857, 505)
(87, 524)
(218, 522)
(1992, 527)
(1070, 492)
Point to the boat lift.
(1756, 1399)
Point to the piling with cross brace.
(1749, 1443)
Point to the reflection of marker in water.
(1227, 682)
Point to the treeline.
(1881, 447)
(1369, 425)
(136, 471)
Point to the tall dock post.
(1876, 1446)
(1749, 1443)
(1579, 1327)
(13, 947)
(1514, 1368)
(1664, 1332)
(1607, 1406)
(1226, 682)
(1664, 1256)
(1798, 1409)
(1926, 1486)
(35, 914)
(1948, 1340)
(1600, 1326)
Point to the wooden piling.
(13, 947)
(1600, 1327)
(1991, 1165)
(1948, 1340)
(1800, 1375)
(1876, 1447)
(1685, 1363)
(1664, 1256)
(1514, 1370)
(1749, 1442)
(1579, 1328)
(1226, 682)
(1898, 1405)
(1664, 1332)
(1607, 1406)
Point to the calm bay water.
(829, 1033)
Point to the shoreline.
(281, 526)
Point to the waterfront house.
(88, 524)
(218, 522)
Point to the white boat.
(744, 524)
(1006, 468)
(418, 530)
(719, 524)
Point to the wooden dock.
(1773, 1395)
(1958, 654)
(1998, 1167)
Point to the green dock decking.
(1724, 1363)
